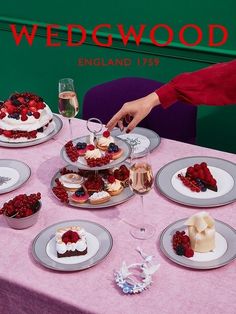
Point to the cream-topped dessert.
(71, 181)
(115, 187)
(71, 241)
(105, 140)
(201, 231)
(25, 117)
(99, 197)
(95, 153)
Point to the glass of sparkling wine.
(141, 182)
(68, 103)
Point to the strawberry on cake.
(25, 117)
(71, 241)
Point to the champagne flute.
(68, 103)
(141, 182)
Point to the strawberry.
(106, 134)
(7, 133)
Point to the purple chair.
(178, 122)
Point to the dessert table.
(28, 287)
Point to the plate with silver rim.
(81, 162)
(99, 244)
(13, 173)
(140, 138)
(224, 171)
(124, 196)
(223, 254)
(58, 126)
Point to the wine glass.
(68, 103)
(141, 182)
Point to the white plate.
(224, 253)
(99, 245)
(13, 173)
(140, 138)
(58, 126)
(222, 170)
(82, 164)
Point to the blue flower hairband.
(127, 283)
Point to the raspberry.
(70, 236)
(188, 252)
(111, 179)
(24, 118)
(90, 147)
(106, 134)
(36, 115)
(2, 115)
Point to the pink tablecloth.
(27, 287)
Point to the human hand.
(133, 112)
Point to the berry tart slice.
(202, 175)
(71, 241)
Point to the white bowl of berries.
(22, 211)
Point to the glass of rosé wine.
(68, 103)
(141, 182)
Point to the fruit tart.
(94, 183)
(80, 196)
(122, 174)
(99, 197)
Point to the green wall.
(38, 68)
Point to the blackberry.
(29, 113)
(115, 148)
(40, 130)
(179, 250)
(16, 102)
(13, 97)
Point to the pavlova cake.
(25, 117)
(71, 241)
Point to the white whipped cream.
(80, 245)
(93, 154)
(31, 124)
(71, 180)
(105, 141)
(99, 195)
(115, 186)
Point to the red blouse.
(214, 85)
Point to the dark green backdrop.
(38, 68)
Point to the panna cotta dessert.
(71, 241)
(201, 231)
(25, 117)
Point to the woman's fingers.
(114, 120)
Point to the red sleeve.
(214, 85)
